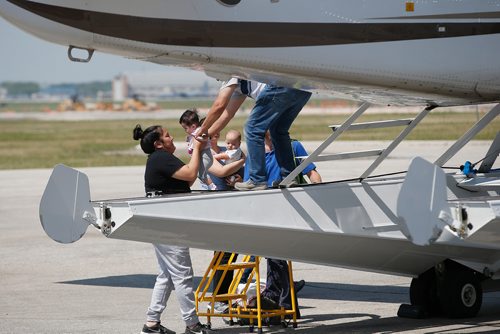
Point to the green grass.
(48, 106)
(173, 104)
(43, 144)
(27, 106)
(436, 126)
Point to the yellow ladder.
(238, 300)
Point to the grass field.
(173, 104)
(43, 144)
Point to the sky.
(24, 57)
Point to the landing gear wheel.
(461, 293)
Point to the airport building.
(160, 85)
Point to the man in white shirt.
(275, 110)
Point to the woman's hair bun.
(138, 133)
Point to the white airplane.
(442, 229)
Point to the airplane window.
(229, 2)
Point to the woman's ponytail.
(148, 137)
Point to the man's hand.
(202, 136)
(199, 142)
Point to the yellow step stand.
(237, 299)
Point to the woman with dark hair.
(166, 174)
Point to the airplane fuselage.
(384, 51)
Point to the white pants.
(176, 272)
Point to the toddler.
(191, 123)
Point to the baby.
(190, 122)
(233, 150)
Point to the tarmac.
(100, 285)
(51, 115)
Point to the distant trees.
(90, 89)
(20, 88)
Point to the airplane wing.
(345, 224)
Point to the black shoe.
(276, 184)
(299, 285)
(197, 329)
(267, 303)
(156, 329)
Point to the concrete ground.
(100, 285)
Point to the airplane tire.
(461, 294)
(423, 293)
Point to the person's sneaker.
(299, 285)
(219, 308)
(276, 184)
(156, 329)
(250, 185)
(197, 329)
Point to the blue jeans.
(275, 110)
